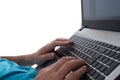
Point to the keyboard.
(102, 58)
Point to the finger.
(60, 62)
(51, 46)
(76, 75)
(40, 59)
(69, 66)
(60, 43)
(48, 56)
(61, 39)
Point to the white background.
(27, 25)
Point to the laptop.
(98, 41)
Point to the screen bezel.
(111, 25)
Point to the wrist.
(28, 59)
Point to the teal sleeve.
(12, 71)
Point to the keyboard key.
(105, 45)
(102, 44)
(117, 48)
(65, 52)
(118, 58)
(82, 55)
(86, 50)
(105, 60)
(111, 53)
(101, 50)
(90, 40)
(116, 55)
(95, 41)
(91, 72)
(79, 54)
(86, 78)
(98, 66)
(112, 47)
(109, 62)
(101, 58)
(108, 46)
(97, 55)
(85, 57)
(87, 44)
(59, 54)
(112, 67)
(95, 75)
(90, 45)
(101, 77)
(107, 52)
(98, 42)
(97, 47)
(84, 43)
(103, 68)
(90, 60)
(93, 46)
(95, 64)
(92, 53)
(89, 52)
(89, 69)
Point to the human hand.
(63, 70)
(47, 52)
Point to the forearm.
(23, 60)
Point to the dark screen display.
(101, 9)
(102, 14)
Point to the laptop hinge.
(82, 28)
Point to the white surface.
(26, 25)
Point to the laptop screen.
(101, 14)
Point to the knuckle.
(67, 58)
(57, 39)
(54, 43)
(68, 63)
(45, 70)
(82, 61)
(63, 58)
(74, 76)
(54, 76)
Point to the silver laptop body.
(101, 29)
(101, 22)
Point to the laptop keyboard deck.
(102, 58)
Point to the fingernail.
(84, 67)
(71, 41)
(52, 54)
